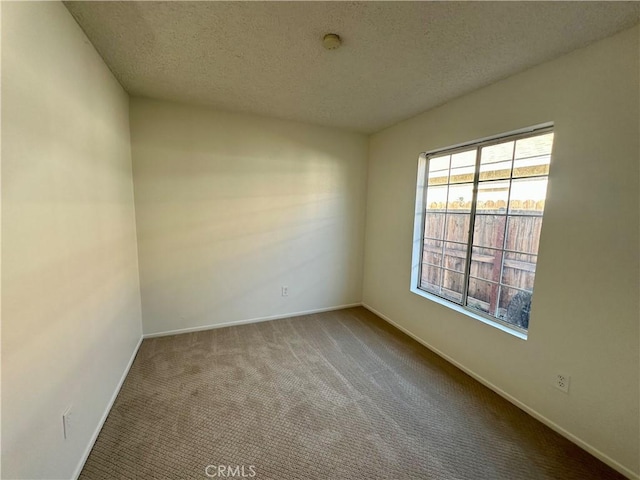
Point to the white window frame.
(419, 219)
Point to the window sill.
(468, 313)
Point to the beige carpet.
(338, 395)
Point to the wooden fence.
(445, 245)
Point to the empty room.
(320, 240)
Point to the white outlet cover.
(562, 382)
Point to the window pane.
(495, 171)
(463, 166)
(464, 159)
(527, 196)
(519, 270)
(492, 197)
(523, 233)
(534, 146)
(533, 155)
(438, 178)
(453, 286)
(432, 252)
(482, 295)
(528, 167)
(431, 278)
(486, 263)
(434, 225)
(489, 231)
(432, 256)
(514, 307)
(457, 227)
(460, 197)
(497, 153)
(455, 256)
(436, 198)
(437, 164)
(439, 170)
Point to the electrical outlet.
(562, 382)
(285, 291)
(66, 423)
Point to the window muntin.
(482, 217)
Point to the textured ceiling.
(397, 59)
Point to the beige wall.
(232, 207)
(70, 292)
(585, 313)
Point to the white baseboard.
(538, 416)
(246, 321)
(94, 437)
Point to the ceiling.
(397, 58)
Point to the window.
(478, 222)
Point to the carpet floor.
(337, 395)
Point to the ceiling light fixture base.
(331, 41)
